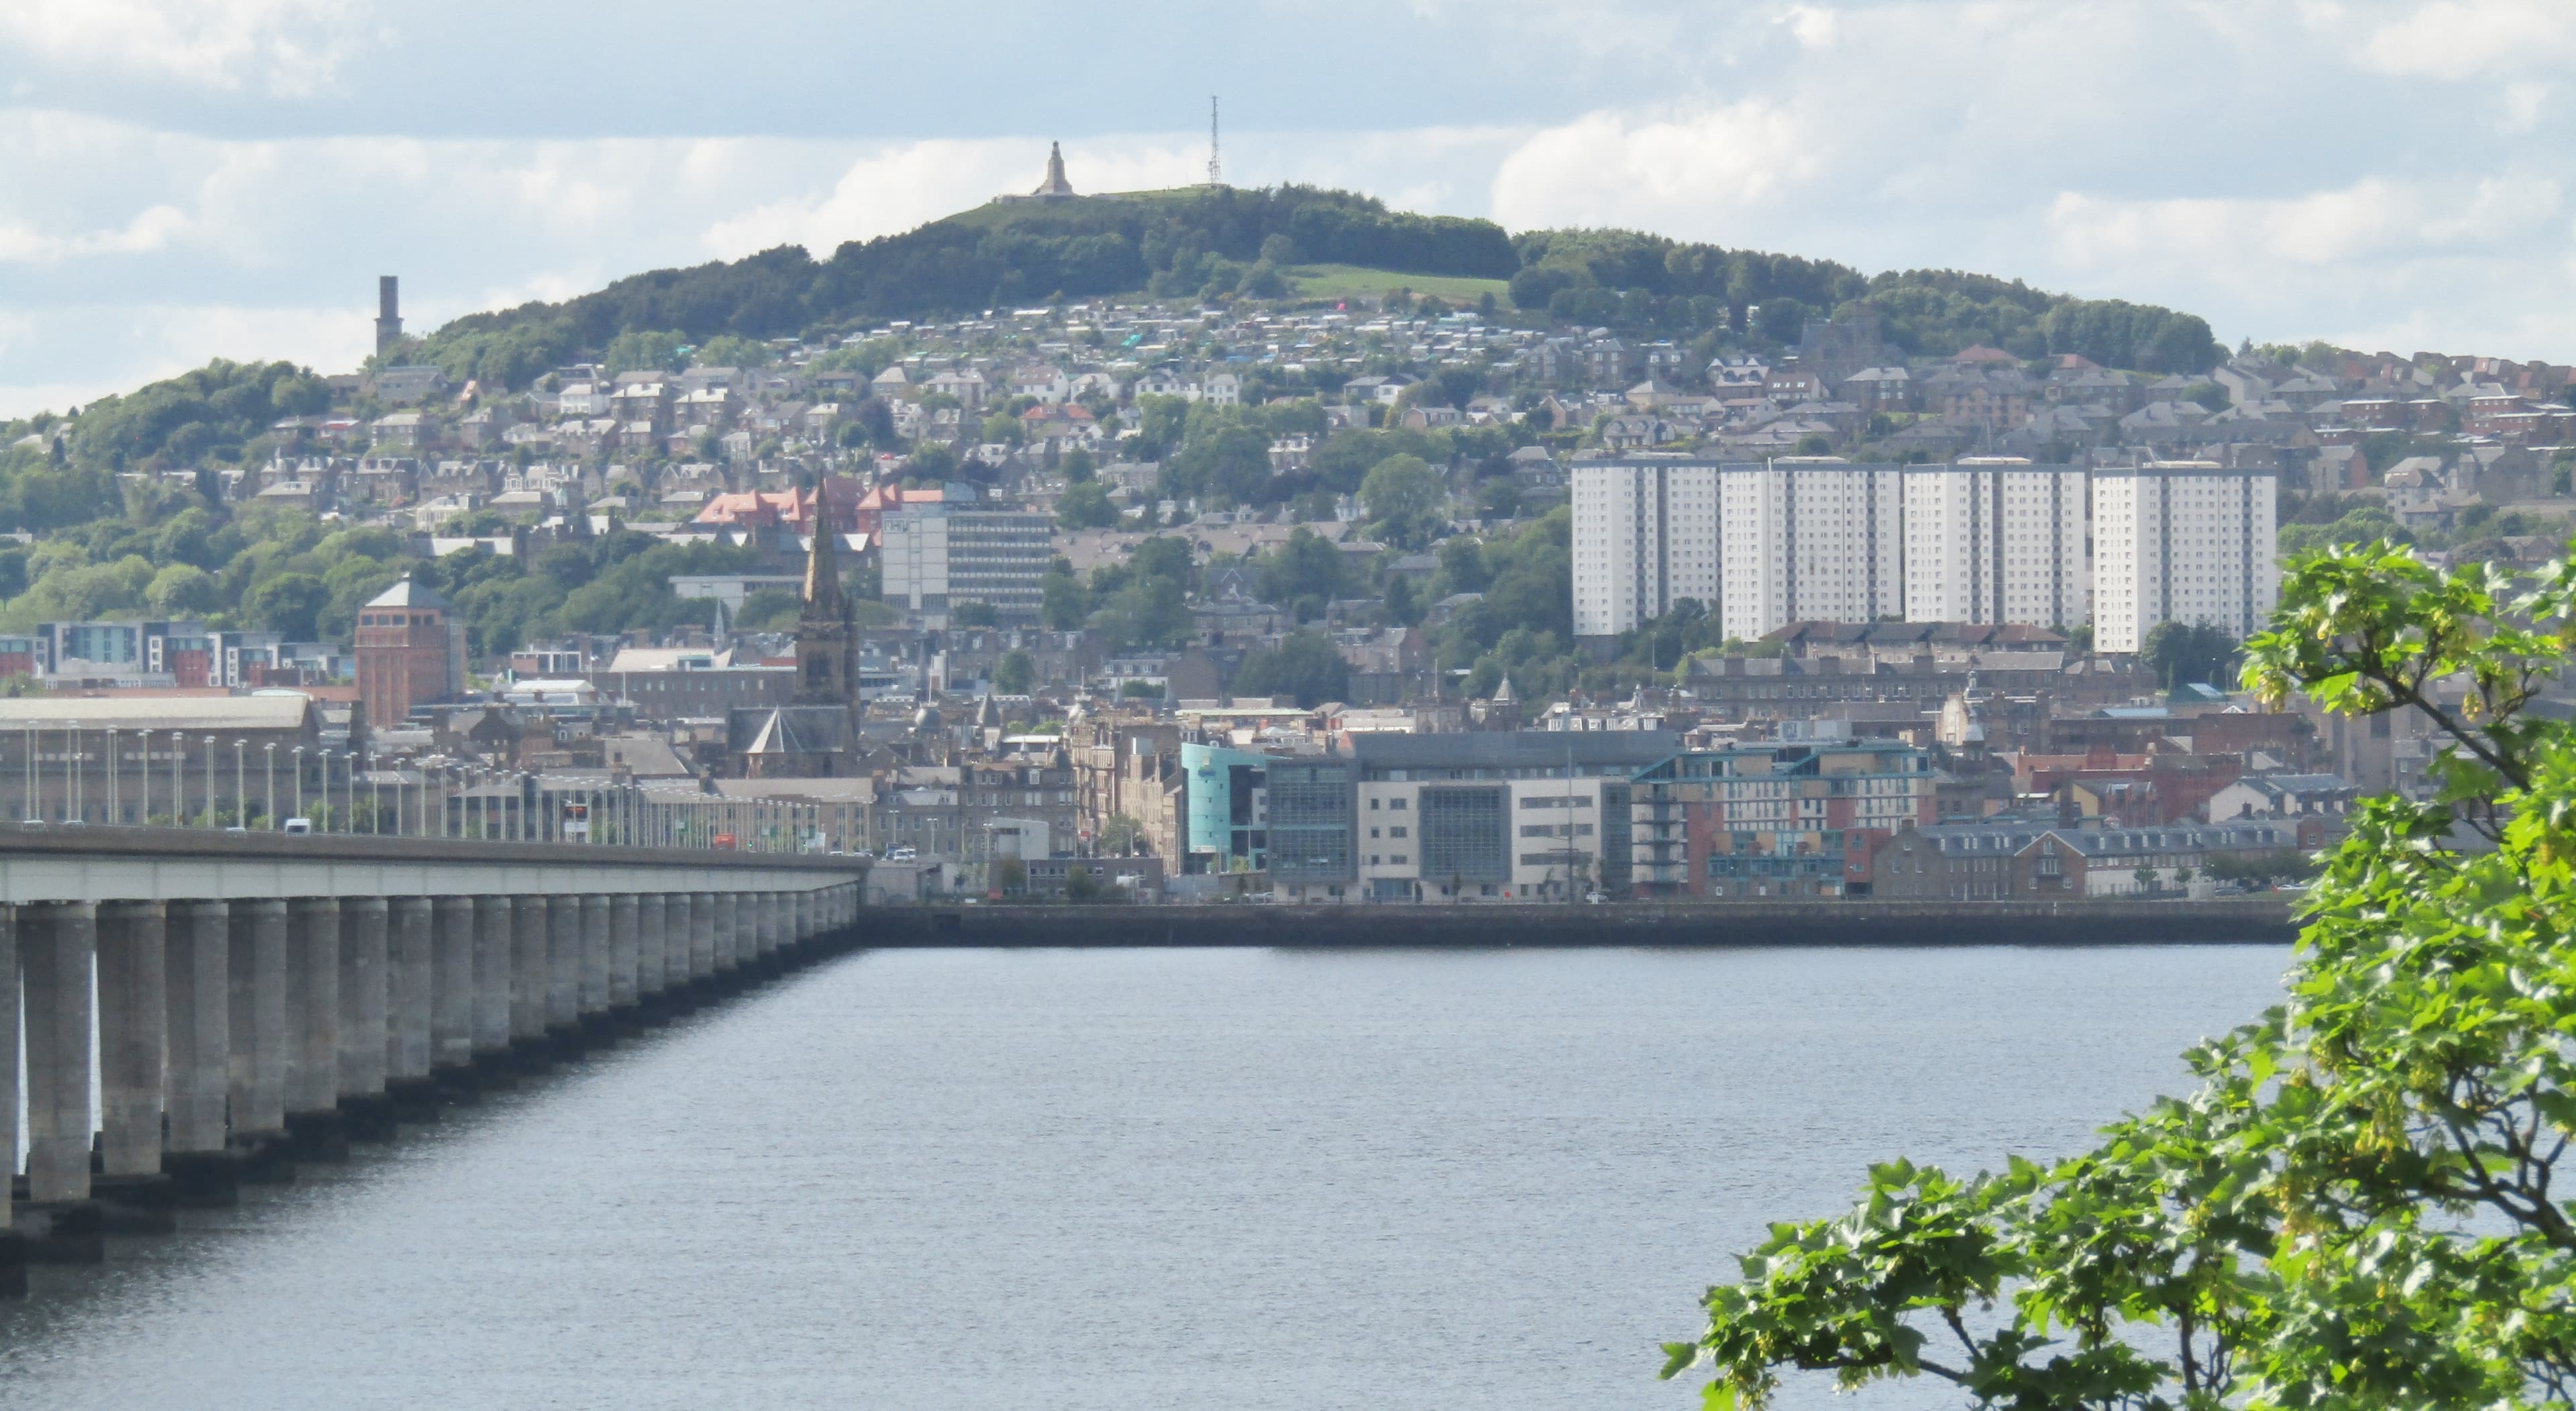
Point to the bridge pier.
(451, 996)
(255, 959)
(410, 968)
(730, 931)
(530, 971)
(625, 954)
(596, 960)
(563, 978)
(652, 922)
(197, 1025)
(313, 1018)
(365, 1047)
(133, 1019)
(494, 919)
(702, 936)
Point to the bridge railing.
(70, 777)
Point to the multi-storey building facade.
(1759, 544)
(409, 651)
(938, 556)
(1457, 818)
(1771, 821)
(1995, 540)
(1981, 540)
(2181, 541)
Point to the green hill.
(1298, 241)
(1197, 242)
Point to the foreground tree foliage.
(2358, 1208)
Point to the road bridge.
(204, 1009)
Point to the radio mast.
(1216, 171)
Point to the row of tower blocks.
(1763, 544)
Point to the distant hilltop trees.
(1212, 243)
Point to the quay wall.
(2261, 920)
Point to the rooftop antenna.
(1216, 171)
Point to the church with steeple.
(815, 737)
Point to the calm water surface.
(1144, 1179)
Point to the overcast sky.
(184, 179)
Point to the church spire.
(822, 565)
(823, 626)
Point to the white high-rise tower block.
(2181, 541)
(1996, 540)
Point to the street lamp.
(210, 782)
(298, 752)
(71, 771)
(268, 776)
(241, 810)
(114, 799)
(144, 810)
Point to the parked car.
(298, 825)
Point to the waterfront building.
(2182, 541)
(1773, 821)
(1524, 816)
(2023, 860)
(1227, 809)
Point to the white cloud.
(151, 229)
(1688, 173)
(114, 348)
(287, 48)
(2455, 39)
(1815, 28)
(896, 187)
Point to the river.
(1132, 1179)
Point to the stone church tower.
(823, 635)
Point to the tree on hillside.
(2181, 654)
(1403, 498)
(1086, 506)
(2358, 1205)
(1304, 665)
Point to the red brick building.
(411, 649)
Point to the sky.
(187, 179)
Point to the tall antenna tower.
(1216, 170)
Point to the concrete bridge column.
(255, 965)
(728, 931)
(803, 929)
(56, 944)
(625, 950)
(313, 1011)
(563, 963)
(451, 983)
(679, 923)
(530, 968)
(652, 944)
(10, 1273)
(493, 918)
(595, 965)
(702, 935)
(196, 984)
(133, 1023)
(364, 926)
(411, 951)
